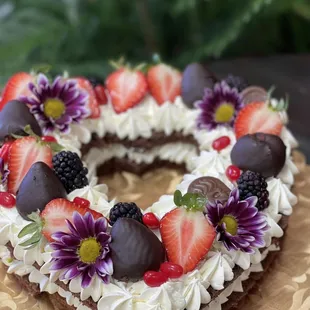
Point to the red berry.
(233, 173)
(173, 271)
(49, 139)
(7, 200)
(5, 150)
(155, 278)
(101, 94)
(221, 143)
(81, 202)
(150, 220)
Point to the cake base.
(234, 301)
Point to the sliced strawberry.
(126, 88)
(92, 104)
(164, 83)
(187, 237)
(258, 117)
(16, 86)
(5, 150)
(24, 153)
(57, 211)
(101, 95)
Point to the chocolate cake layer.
(125, 164)
(234, 299)
(157, 139)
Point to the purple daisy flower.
(4, 173)
(84, 251)
(239, 224)
(219, 106)
(56, 105)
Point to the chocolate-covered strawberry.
(135, 249)
(38, 188)
(14, 117)
(195, 79)
(259, 152)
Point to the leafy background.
(82, 35)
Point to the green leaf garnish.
(33, 230)
(27, 230)
(190, 201)
(36, 237)
(56, 147)
(177, 198)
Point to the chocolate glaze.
(14, 117)
(259, 152)
(135, 249)
(254, 94)
(210, 187)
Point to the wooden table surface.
(290, 74)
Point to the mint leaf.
(29, 229)
(177, 198)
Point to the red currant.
(81, 202)
(49, 139)
(173, 271)
(155, 278)
(150, 220)
(7, 200)
(233, 173)
(221, 143)
(5, 150)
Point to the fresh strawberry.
(101, 94)
(16, 86)
(57, 211)
(23, 153)
(5, 150)
(164, 83)
(126, 88)
(93, 104)
(258, 117)
(187, 235)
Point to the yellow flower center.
(54, 108)
(231, 224)
(89, 250)
(224, 113)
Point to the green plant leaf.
(29, 229)
(177, 198)
(35, 238)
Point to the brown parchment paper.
(285, 286)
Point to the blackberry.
(69, 169)
(254, 184)
(237, 82)
(125, 209)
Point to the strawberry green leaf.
(56, 148)
(36, 237)
(29, 229)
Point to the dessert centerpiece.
(203, 247)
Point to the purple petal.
(65, 254)
(101, 225)
(58, 235)
(71, 273)
(86, 279)
(105, 266)
(80, 225)
(63, 263)
(103, 238)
